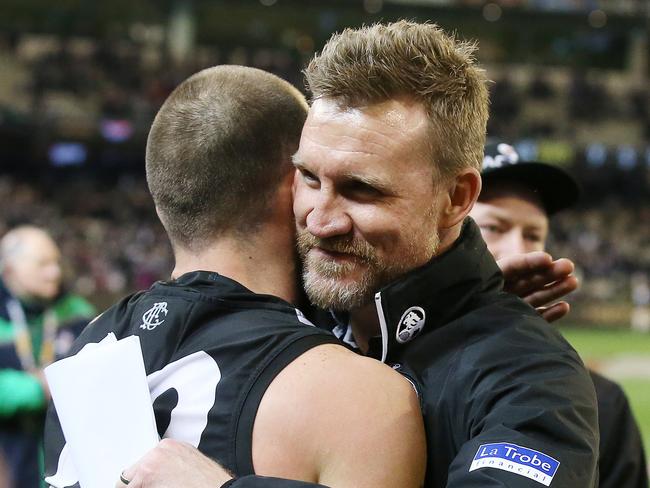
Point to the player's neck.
(264, 263)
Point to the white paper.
(104, 407)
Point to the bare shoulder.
(338, 418)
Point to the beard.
(352, 284)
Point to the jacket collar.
(435, 294)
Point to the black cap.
(556, 188)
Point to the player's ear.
(462, 192)
(283, 200)
(295, 175)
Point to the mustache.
(341, 244)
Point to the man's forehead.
(395, 130)
(401, 113)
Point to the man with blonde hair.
(388, 169)
(389, 163)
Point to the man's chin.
(336, 278)
(340, 293)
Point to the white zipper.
(382, 326)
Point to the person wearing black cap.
(513, 211)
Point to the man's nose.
(513, 242)
(328, 217)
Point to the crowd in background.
(610, 246)
(73, 84)
(543, 107)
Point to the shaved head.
(218, 151)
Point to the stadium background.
(80, 82)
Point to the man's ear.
(463, 192)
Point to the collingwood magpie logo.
(410, 324)
(151, 318)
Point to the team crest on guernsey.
(410, 324)
(152, 318)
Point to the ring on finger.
(123, 479)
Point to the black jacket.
(506, 400)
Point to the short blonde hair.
(375, 63)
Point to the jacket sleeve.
(528, 416)
(253, 481)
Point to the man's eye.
(359, 188)
(309, 178)
(533, 238)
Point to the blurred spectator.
(38, 323)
